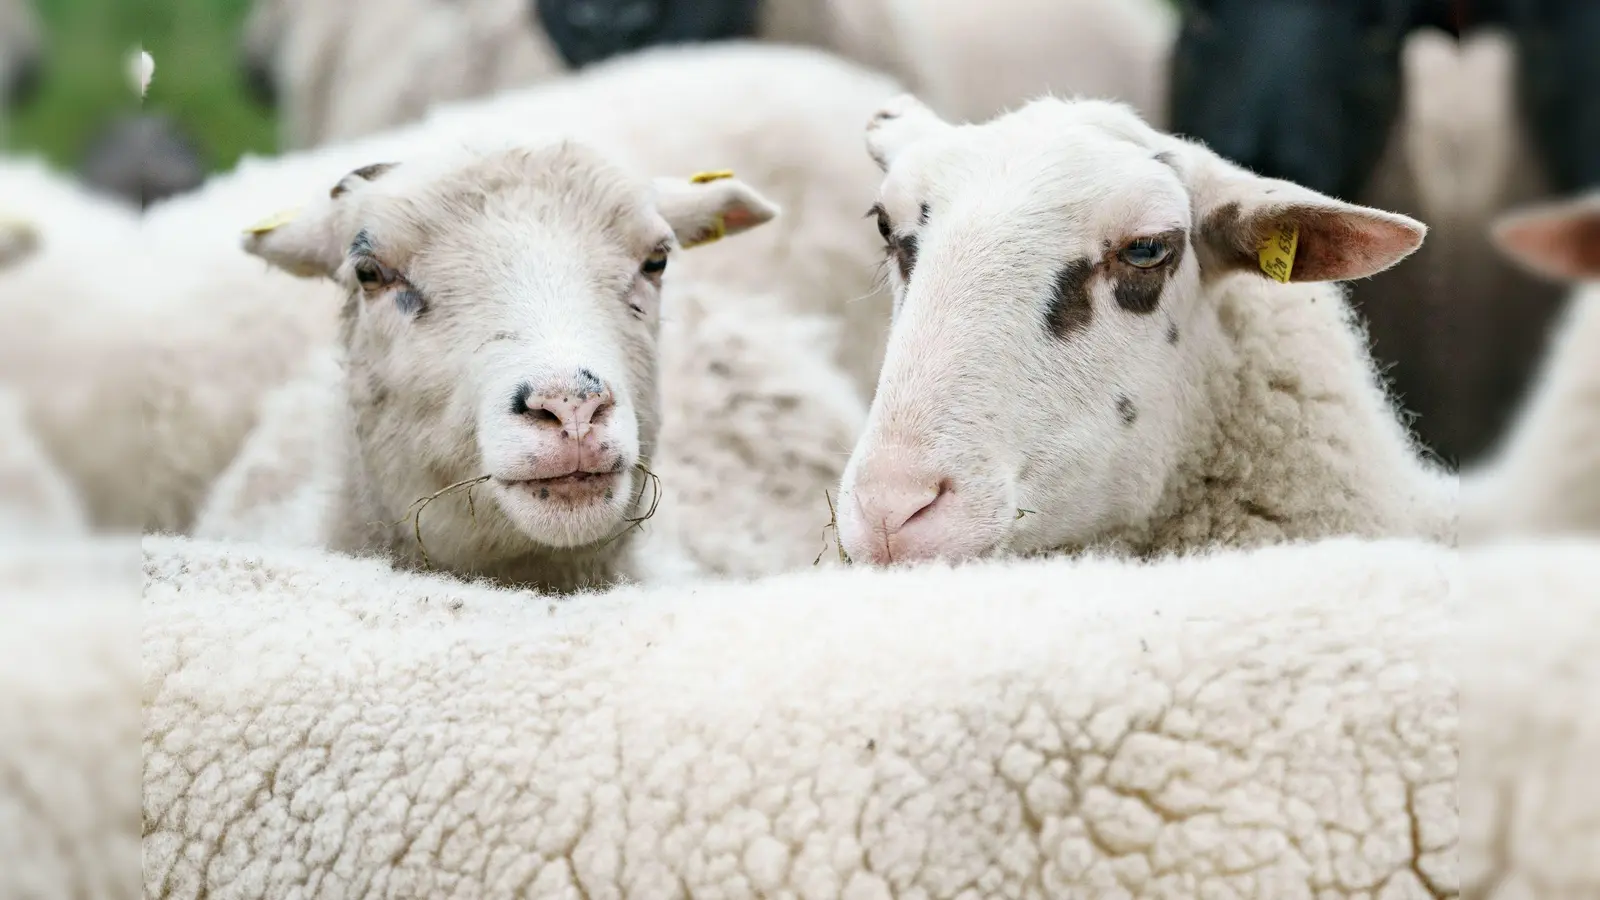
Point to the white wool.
(1545, 476)
(35, 497)
(350, 69)
(1210, 726)
(1041, 393)
(1528, 642)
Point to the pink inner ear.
(1561, 245)
(739, 218)
(1339, 245)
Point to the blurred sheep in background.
(21, 53)
(1373, 101)
(336, 71)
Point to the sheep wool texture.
(1208, 726)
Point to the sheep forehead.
(565, 187)
(1086, 170)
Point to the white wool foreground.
(1220, 726)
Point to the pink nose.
(890, 516)
(576, 406)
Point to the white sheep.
(345, 70)
(166, 379)
(1091, 347)
(501, 335)
(132, 394)
(1545, 476)
(1221, 725)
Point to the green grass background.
(197, 80)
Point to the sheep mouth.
(572, 488)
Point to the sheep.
(1091, 348)
(977, 731)
(142, 159)
(213, 329)
(334, 81)
(132, 393)
(501, 332)
(1545, 476)
(1385, 110)
(21, 55)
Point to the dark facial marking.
(519, 400)
(362, 245)
(1070, 309)
(1126, 410)
(365, 173)
(923, 219)
(906, 255)
(1226, 242)
(411, 302)
(1139, 290)
(1172, 333)
(544, 493)
(588, 384)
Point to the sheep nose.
(577, 406)
(887, 511)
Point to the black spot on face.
(588, 384)
(1070, 309)
(544, 493)
(1126, 410)
(411, 302)
(905, 255)
(610, 494)
(519, 400)
(1139, 290)
(362, 245)
(923, 218)
(1172, 333)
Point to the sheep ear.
(18, 241)
(1557, 240)
(710, 206)
(901, 121)
(310, 241)
(1287, 232)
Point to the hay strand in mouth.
(654, 481)
(833, 523)
(414, 511)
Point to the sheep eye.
(884, 229)
(371, 273)
(655, 263)
(1145, 253)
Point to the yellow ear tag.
(703, 177)
(1277, 254)
(276, 220)
(717, 231)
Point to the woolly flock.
(796, 466)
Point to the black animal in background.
(1310, 91)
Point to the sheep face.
(501, 324)
(1293, 89)
(1054, 273)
